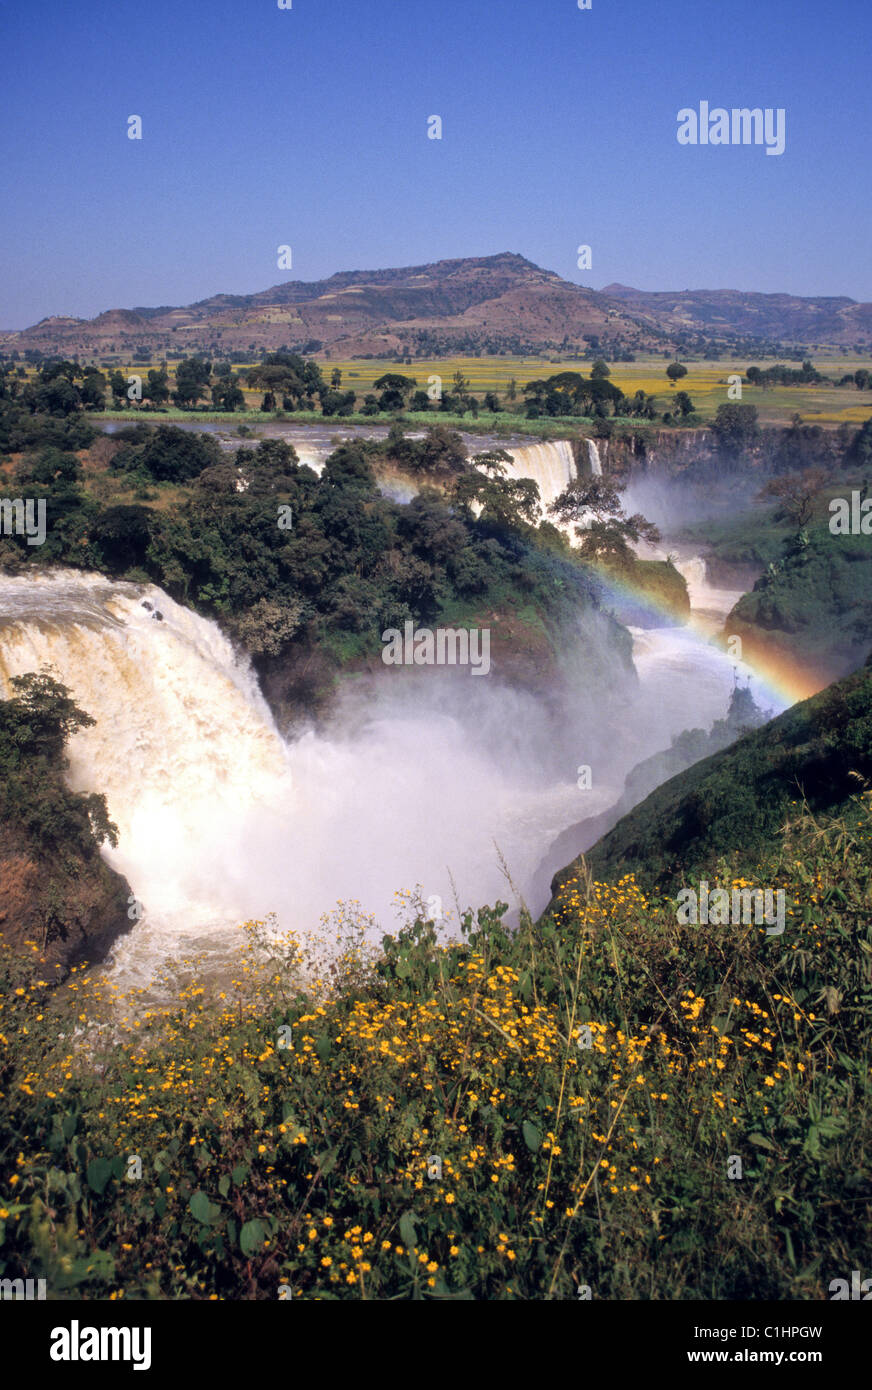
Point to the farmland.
(706, 382)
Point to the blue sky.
(308, 127)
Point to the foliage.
(817, 752)
(345, 563)
(736, 428)
(506, 1115)
(607, 533)
(35, 803)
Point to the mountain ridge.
(492, 304)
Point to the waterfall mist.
(417, 778)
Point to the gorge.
(416, 779)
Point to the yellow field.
(706, 382)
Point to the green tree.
(860, 450)
(172, 455)
(93, 391)
(118, 387)
(605, 532)
(735, 427)
(192, 379)
(226, 395)
(675, 371)
(395, 390)
(157, 388)
(509, 503)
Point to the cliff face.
(650, 450)
(73, 909)
(670, 452)
(526, 652)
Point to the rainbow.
(780, 678)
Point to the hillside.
(790, 318)
(732, 805)
(600, 1105)
(812, 605)
(497, 304)
(504, 301)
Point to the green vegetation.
(731, 806)
(550, 1113)
(34, 726)
(813, 602)
(54, 882)
(826, 392)
(518, 1114)
(288, 560)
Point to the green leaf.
(239, 1174)
(790, 1251)
(99, 1173)
(203, 1210)
(224, 1184)
(251, 1237)
(407, 1230)
(762, 1142)
(532, 1137)
(327, 1161)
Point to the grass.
(507, 1116)
(706, 383)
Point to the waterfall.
(593, 458)
(551, 465)
(695, 574)
(416, 777)
(221, 820)
(183, 741)
(710, 605)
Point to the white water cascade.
(551, 465)
(710, 605)
(221, 821)
(415, 780)
(183, 736)
(665, 656)
(593, 457)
